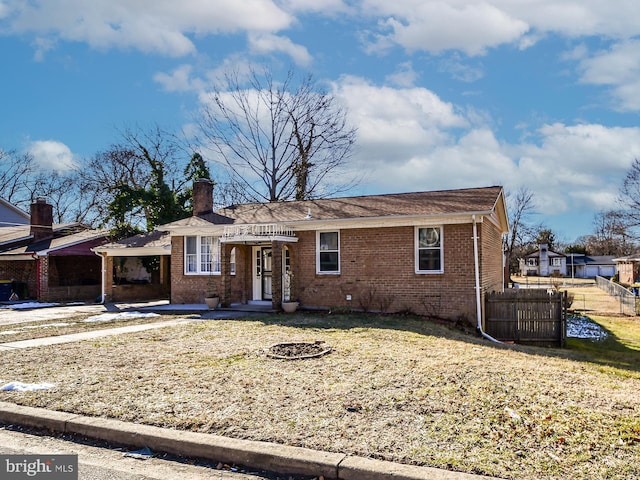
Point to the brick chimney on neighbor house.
(202, 197)
(41, 220)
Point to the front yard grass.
(394, 387)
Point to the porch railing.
(266, 230)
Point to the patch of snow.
(513, 414)
(584, 327)
(143, 454)
(9, 332)
(18, 306)
(25, 387)
(109, 317)
(48, 325)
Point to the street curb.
(249, 453)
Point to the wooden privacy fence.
(527, 316)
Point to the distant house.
(543, 263)
(427, 252)
(48, 262)
(628, 268)
(136, 268)
(590, 266)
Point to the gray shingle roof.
(433, 203)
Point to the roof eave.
(133, 251)
(47, 251)
(351, 222)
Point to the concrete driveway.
(16, 313)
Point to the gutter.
(477, 272)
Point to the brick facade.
(23, 271)
(377, 271)
(193, 288)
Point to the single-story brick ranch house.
(49, 262)
(434, 253)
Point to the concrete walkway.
(57, 312)
(76, 337)
(247, 453)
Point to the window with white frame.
(429, 252)
(532, 262)
(556, 262)
(328, 252)
(201, 255)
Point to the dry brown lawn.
(396, 388)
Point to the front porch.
(255, 266)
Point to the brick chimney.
(202, 197)
(41, 220)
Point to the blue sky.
(444, 94)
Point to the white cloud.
(325, 7)
(409, 139)
(619, 68)
(51, 154)
(460, 70)
(265, 43)
(402, 112)
(405, 75)
(577, 167)
(437, 26)
(473, 26)
(179, 80)
(42, 46)
(160, 26)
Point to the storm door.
(267, 272)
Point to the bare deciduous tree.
(521, 206)
(16, 170)
(610, 235)
(279, 141)
(22, 181)
(629, 201)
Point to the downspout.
(477, 272)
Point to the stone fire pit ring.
(298, 350)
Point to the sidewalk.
(76, 337)
(152, 307)
(248, 453)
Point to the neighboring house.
(628, 269)
(136, 268)
(50, 262)
(11, 215)
(431, 253)
(543, 262)
(590, 266)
